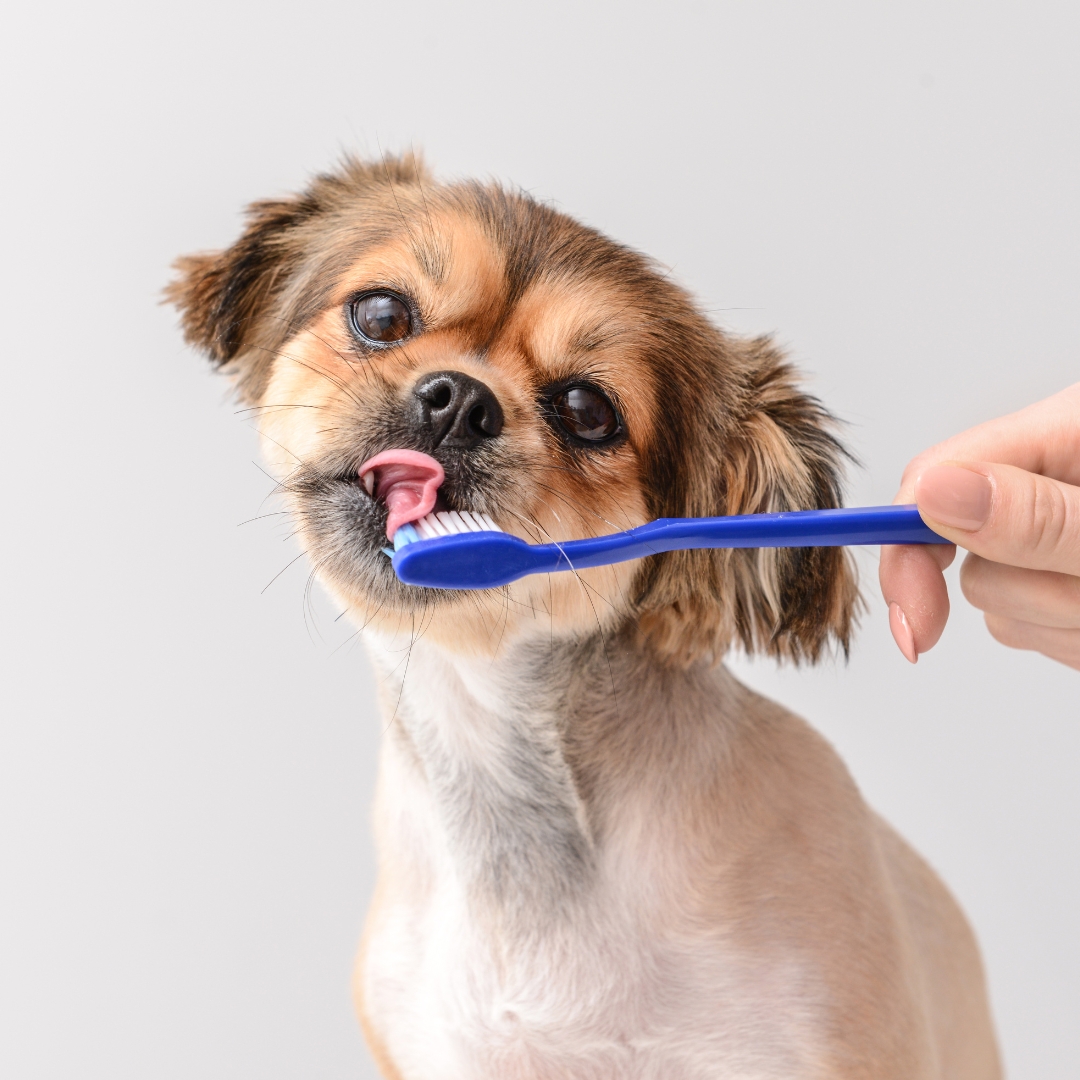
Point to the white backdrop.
(187, 759)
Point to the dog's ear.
(228, 300)
(220, 295)
(760, 445)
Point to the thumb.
(1004, 514)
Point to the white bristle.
(453, 523)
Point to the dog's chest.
(594, 998)
(508, 943)
(598, 989)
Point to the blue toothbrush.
(462, 550)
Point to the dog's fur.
(600, 855)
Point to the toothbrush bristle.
(452, 523)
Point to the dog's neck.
(524, 756)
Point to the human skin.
(1007, 491)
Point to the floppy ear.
(224, 297)
(221, 295)
(763, 445)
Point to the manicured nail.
(901, 632)
(955, 496)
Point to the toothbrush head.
(440, 523)
(458, 549)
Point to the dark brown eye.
(382, 318)
(585, 413)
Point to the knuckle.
(1007, 631)
(1050, 524)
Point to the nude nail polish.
(901, 632)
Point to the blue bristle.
(406, 534)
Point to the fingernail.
(955, 496)
(901, 632)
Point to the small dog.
(599, 854)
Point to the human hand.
(1009, 492)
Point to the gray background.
(187, 759)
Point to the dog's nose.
(457, 409)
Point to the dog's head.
(560, 383)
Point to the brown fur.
(737, 434)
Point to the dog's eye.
(585, 413)
(382, 318)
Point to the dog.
(599, 854)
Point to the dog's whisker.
(308, 365)
(542, 532)
(263, 517)
(274, 408)
(280, 572)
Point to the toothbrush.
(463, 550)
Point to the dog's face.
(393, 333)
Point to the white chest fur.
(522, 930)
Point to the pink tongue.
(407, 482)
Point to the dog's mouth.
(347, 512)
(406, 482)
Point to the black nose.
(457, 410)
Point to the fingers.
(1027, 609)
(913, 585)
(1054, 642)
(1004, 514)
(1043, 439)
(1041, 597)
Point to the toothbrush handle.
(798, 528)
(486, 560)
